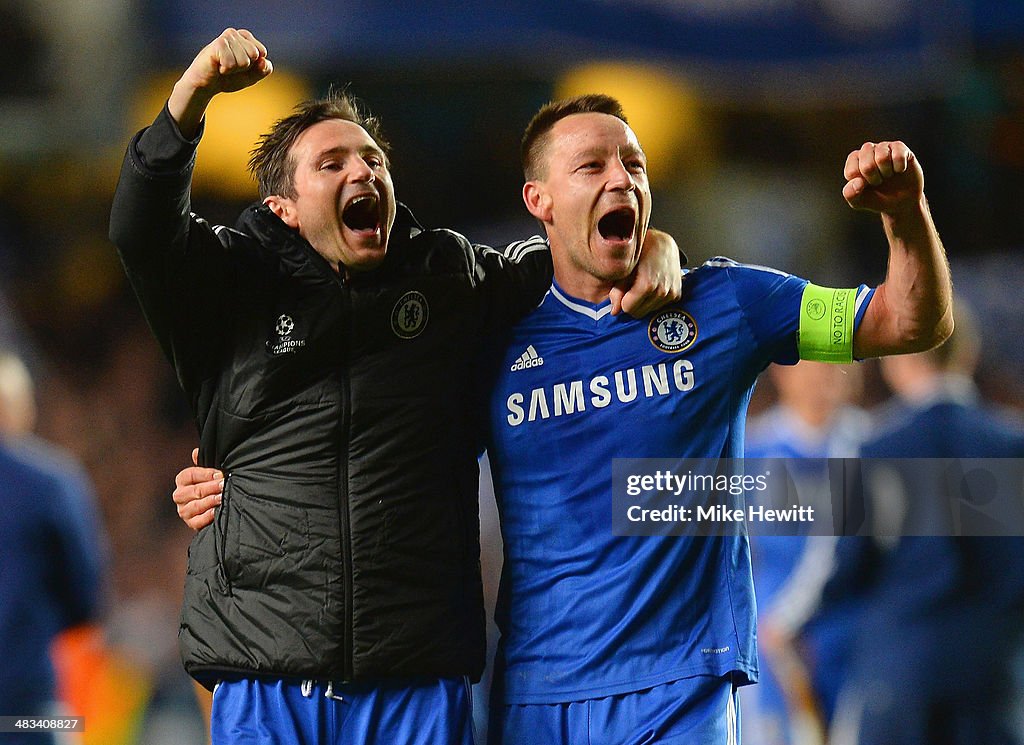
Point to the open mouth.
(617, 225)
(362, 214)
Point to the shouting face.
(344, 201)
(593, 198)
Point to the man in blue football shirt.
(629, 639)
(613, 639)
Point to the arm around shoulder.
(512, 282)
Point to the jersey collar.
(590, 310)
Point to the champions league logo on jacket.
(410, 315)
(284, 343)
(672, 331)
(285, 325)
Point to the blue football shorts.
(276, 712)
(700, 710)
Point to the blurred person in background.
(327, 348)
(814, 418)
(941, 623)
(51, 554)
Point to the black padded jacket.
(342, 412)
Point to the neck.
(584, 286)
(578, 282)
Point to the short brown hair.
(535, 139)
(270, 162)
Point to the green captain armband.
(826, 324)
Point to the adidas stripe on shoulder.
(519, 249)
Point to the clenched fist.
(883, 177)
(234, 60)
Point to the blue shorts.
(702, 710)
(275, 712)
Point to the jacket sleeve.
(512, 282)
(175, 262)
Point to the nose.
(359, 170)
(619, 177)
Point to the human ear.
(538, 200)
(284, 208)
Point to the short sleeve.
(769, 300)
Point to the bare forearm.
(913, 306)
(187, 106)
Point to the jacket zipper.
(344, 502)
(220, 546)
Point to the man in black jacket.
(326, 349)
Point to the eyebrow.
(364, 150)
(632, 150)
(590, 152)
(625, 151)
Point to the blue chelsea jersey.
(583, 613)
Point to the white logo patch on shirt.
(527, 359)
(672, 331)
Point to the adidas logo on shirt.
(527, 359)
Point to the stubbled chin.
(616, 258)
(364, 250)
(364, 259)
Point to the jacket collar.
(299, 258)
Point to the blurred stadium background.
(747, 109)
